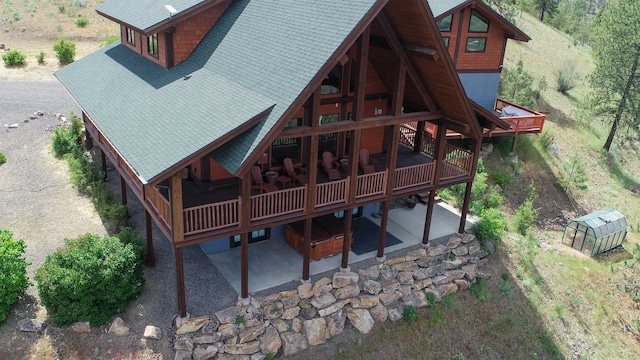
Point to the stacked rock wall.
(290, 321)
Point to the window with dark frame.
(476, 44)
(254, 236)
(445, 39)
(152, 45)
(445, 24)
(131, 36)
(478, 23)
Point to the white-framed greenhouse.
(597, 232)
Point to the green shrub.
(3, 159)
(525, 216)
(479, 288)
(574, 176)
(65, 50)
(409, 313)
(566, 78)
(431, 300)
(110, 40)
(65, 140)
(491, 225)
(502, 177)
(505, 288)
(128, 235)
(91, 279)
(41, 57)
(82, 22)
(546, 139)
(13, 271)
(14, 58)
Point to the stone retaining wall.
(290, 321)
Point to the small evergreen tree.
(13, 271)
(65, 50)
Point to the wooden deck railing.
(415, 175)
(276, 203)
(332, 192)
(528, 123)
(159, 203)
(211, 216)
(371, 184)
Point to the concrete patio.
(273, 262)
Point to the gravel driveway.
(38, 204)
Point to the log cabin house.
(476, 36)
(231, 119)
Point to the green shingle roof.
(143, 14)
(259, 54)
(439, 7)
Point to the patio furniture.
(258, 181)
(291, 174)
(365, 162)
(330, 166)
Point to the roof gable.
(442, 8)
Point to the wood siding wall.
(489, 60)
(189, 33)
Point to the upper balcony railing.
(521, 119)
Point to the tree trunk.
(542, 15)
(622, 104)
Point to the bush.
(82, 22)
(491, 225)
(479, 288)
(65, 50)
(3, 159)
(91, 279)
(13, 271)
(128, 235)
(409, 313)
(525, 216)
(110, 40)
(41, 57)
(566, 78)
(65, 140)
(14, 58)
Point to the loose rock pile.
(290, 321)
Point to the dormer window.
(478, 23)
(445, 23)
(131, 36)
(152, 45)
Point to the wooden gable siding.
(188, 34)
(490, 59)
(215, 171)
(408, 20)
(162, 50)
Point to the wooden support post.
(441, 142)
(182, 298)
(245, 220)
(383, 230)
(477, 144)
(103, 158)
(419, 139)
(177, 230)
(123, 191)
(306, 256)
(427, 221)
(465, 207)
(151, 257)
(346, 243)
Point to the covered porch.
(207, 210)
(273, 262)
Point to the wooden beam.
(123, 191)
(397, 47)
(455, 125)
(383, 229)
(306, 254)
(182, 297)
(103, 159)
(371, 122)
(151, 257)
(312, 174)
(465, 206)
(349, 98)
(245, 220)
(346, 242)
(429, 216)
(177, 220)
(425, 52)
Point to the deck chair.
(330, 166)
(365, 162)
(259, 184)
(290, 170)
